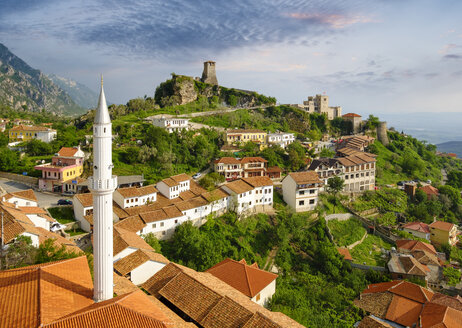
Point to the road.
(45, 199)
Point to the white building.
(162, 222)
(301, 190)
(21, 198)
(173, 186)
(47, 135)
(283, 139)
(171, 124)
(140, 265)
(132, 196)
(256, 284)
(418, 229)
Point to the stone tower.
(209, 75)
(102, 184)
(382, 133)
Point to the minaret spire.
(102, 184)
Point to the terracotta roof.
(135, 259)
(132, 223)
(412, 245)
(122, 285)
(85, 199)
(351, 115)
(238, 186)
(249, 280)
(124, 238)
(307, 177)
(417, 226)
(147, 190)
(441, 225)
(373, 322)
(258, 181)
(357, 159)
(181, 177)
(430, 190)
(440, 316)
(32, 210)
(215, 194)
(228, 160)
(195, 202)
(29, 296)
(130, 192)
(406, 264)
(404, 311)
(274, 169)
(68, 151)
(442, 299)
(126, 311)
(253, 160)
(345, 253)
(201, 295)
(25, 194)
(30, 128)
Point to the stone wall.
(31, 181)
(382, 135)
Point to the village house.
(66, 166)
(26, 133)
(359, 172)
(21, 198)
(232, 168)
(326, 168)
(282, 139)
(355, 119)
(300, 190)
(256, 284)
(405, 266)
(133, 196)
(173, 186)
(171, 124)
(404, 304)
(418, 229)
(442, 233)
(240, 136)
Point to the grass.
(346, 232)
(369, 251)
(74, 232)
(63, 215)
(332, 205)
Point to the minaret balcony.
(102, 184)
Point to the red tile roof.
(345, 252)
(441, 225)
(228, 160)
(25, 194)
(249, 280)
(351, 115)
(307, 177)
(430, 190)
(67, 151)
(412, 245)
(417, 226)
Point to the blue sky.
(369, 56)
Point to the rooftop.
(307, 177)
(441, 225)
(417, 226)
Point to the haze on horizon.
(373, 56)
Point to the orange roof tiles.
(124, 238)
(373, 322)
(430, 190)
(30, 128)
(247, 279)
(245, 131)
(412, 245)
(403, 311)
(135, 259)
(246, 160)
(417, 226)
(130, 192)
(228, 160)
(238, 186)
(25, 194)
(38, 295)
(258, 181)
(181, 177)
(351, 115)
(68, 151)
(307, 177)
(440, 316)
(345, 252)
(85, 199)
(132, 223)
(441, 225)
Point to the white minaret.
(102, 184)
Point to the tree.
(372, 122)
(37, 147)
(335, 185)
(49, 251)
(152, 241)
(8, 159)
(326, 152)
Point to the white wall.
(265, 294)
(145, 271)
(127, 251)
(38, 221)
(35, 238)
(79, 213)
(418, 233)
(22, 202)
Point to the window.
(312, 201)
(312, 191)
(301, 202)
(176, 221)
(302, 192)
(163, 233)
(154, 225)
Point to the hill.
(451, 147)
(25, 88)
(80, 93)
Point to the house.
(173, 186)
(404, 304)
(65, 166)
(300, 190)
(126, 242)
(405, 266)
(132, 196)
(443, 233)
(282, 139)
(418, 229)
(250, 195)
(241, 136)
(359, 143)
(326, 168)
(358, 172)
(430, 191)
(408, 246)
(232, 168)
(256, 284)
(208, 301)
(21, 198)
(140, 265)
(171, 124)
(60, 294)
(162, 222)
(355, 119)
(27, 133)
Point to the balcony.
(103, 185)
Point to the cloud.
(453, 56)
(336, 21)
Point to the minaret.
(102, 184)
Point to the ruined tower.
(209, 74)
(382, 133)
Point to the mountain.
(451, 147)
(81, 94)
(25, 88)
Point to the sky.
(369, 56)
